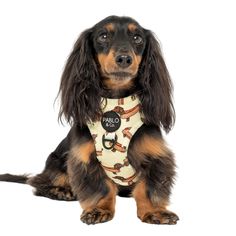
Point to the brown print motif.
(119, 147)
(128, 180)
(126, 114)
(121, 101)
(94, 136)
(126, 133)
(116, 168)
(99, 152)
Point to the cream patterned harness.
(121, 119)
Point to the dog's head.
(119, 44)
(115, 58)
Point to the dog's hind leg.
(52, 185)
(53, 181)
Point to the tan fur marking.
(107, 62)
(110, 27)
(135, 64)
(152, 146)
(82, 152)
(61, 180)
(132, 27)
(144, 205)
(115, 84)
(109, 201)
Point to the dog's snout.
(123, 60)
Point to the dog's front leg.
(149, 211)
(95, 192)
(155, 162)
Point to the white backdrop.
(198, 40)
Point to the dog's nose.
(124, 61)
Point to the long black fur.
(80, 84)
(21, 179)
(155, 86)
(87, 181)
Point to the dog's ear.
(79, 88)
(156, 86)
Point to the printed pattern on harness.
(112, 135)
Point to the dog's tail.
(21, 179)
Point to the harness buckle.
(110, 139)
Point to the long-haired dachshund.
(117, 95)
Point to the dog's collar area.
(121, 101)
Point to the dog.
(116, 93)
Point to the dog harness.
(112, 134)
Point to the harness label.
(111, 121)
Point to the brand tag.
(111, 121)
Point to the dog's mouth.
(120, 75)
(117, 80)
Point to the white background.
(198, 40)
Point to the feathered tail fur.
(22, 179)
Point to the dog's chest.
(121, 119)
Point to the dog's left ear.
(79, 88)
(156, 86)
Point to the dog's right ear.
(79, 88)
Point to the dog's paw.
(95, 216)
(161, 217)
(60, 193)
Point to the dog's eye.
(137, 39)
(103, 38)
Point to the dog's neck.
(116, 92)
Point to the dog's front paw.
(161, 217)
(96, 215)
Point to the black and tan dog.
(114, 59)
